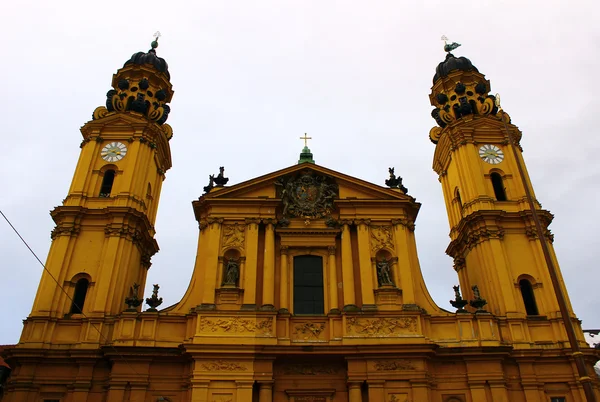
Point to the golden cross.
(305, 138)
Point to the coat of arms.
(307, 195)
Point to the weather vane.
(449, 47)
(155, 41)
(305, 138)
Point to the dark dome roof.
(150, 58)
(453, 63)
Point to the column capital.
(252, 221)
(284, 249)
(331, 250)
(362, 222)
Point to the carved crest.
(381, 238)
(307, 195)
(233, 236)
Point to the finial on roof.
(154, 43)
(449, 47)
(306, 156)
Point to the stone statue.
(211, 183)
(221, 180)
(458, 301)
(395, 182)
(133, 300)
(232, 273)
(477, 302)
(384, 275)
(154, 301)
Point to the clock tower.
(104, 235)
(494, 241)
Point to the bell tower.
(494, 241)
(104, 235)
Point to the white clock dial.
(113, 152)
(491, 154)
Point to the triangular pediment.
(350, 188)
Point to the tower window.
(308, 285)
(458, 199)
(498, 186)
(81, 288)
(107, 183)
(528, 297)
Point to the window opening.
(528, 297)
(498, 185)
(308, 285)
(81, 288)
(458, 198)
(558, 399)
(107, 183)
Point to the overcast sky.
(250, 77)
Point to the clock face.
(113, 152)
(491, 154)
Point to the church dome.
(150, 57)
(453, 63)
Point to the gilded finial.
(154, 43)
(306, 138)
(449, 47)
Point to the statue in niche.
(384, 274)
(232, 273)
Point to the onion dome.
(150, 57)
(453, 63)
(141, 86)
(459, 91)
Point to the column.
(265, 391)
(244, 390)
(211, 259)
(284, 298)
(199, 391)
(269, 268)
(376, 390)
(364, 260)
(250, 266)
(333, 289)
(347, 267)
(354, 392)
(403, 269)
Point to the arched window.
(81, 288)
(498, 186)
(457, 196)
(107, 183)
(528, 297)
(308, 285)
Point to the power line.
(71, 299)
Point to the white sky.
(250, 77)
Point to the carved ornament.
(235, 325)
(394, 365)
(222, 365)
(381, 238)
(234, 236)
(307, 195)
(404, 222)
(380, 326)
(311, 329)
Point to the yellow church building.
(306, 285)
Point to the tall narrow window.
(81, 288)
(498, 186)
(107, 183)
(528, 297)
(458, 199)
(308, 285)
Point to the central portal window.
(308, 285)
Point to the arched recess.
(107, 174)
(80, 283)
(498, 185)
(385, 268)
(526, 286)
(231, 269)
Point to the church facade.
(306, 285)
